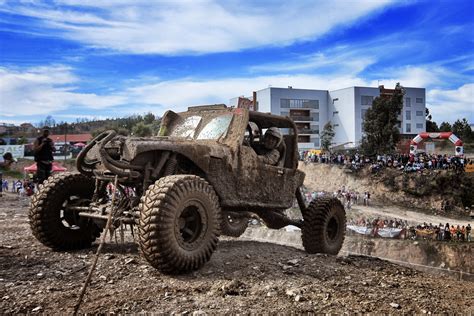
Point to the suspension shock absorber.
(171, 165)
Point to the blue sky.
(94, 59)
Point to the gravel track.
(242, 277)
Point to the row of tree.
(137, 125)
(460, 128)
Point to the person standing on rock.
(468, 232)
(44, 148)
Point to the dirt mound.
(428, 192)
(242, 276)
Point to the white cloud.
(450, 105)
(193, 26)
(178, 94)
(422, 76)
(44, 90)
(342, 60)
(53, 90)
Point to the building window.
(419, 125)
(407, 115)
(303, 139)
(299, 104)
(407, 102)
(408, 128)
(315, 117)
(366, 99)
(316, 142)
(419, 113)
(419, 100)
(363, 113)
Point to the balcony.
(307, 131)
(301, 118)
(302, 106)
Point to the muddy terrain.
(242, 276)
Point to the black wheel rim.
(70, 219)
(191, 225)
(234, 222)
(332, 229)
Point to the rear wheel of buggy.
(233, 226)
(50, 221)
(179, 223)
(324, 226)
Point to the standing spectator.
(468, 232)
(18, 186)
(453, 233)
(440, 231)
(44, 148)
(5, 162)
(447, 232)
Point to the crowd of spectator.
(447, 232)
(379, 222)
(403, 162)
(347, 196)
(442, 232)
(25, 187)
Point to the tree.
(445, 127)
(463, 130)
(381, 123)
(49, 121)
(327, 136)
(149, 118)
(142, 130)
(431, 126)
(22, 140)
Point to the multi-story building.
(344, 108)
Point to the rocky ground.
(242, 277)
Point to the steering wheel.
(248, 139)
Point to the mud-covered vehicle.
(199, 178)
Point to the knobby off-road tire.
(179, 223)
(51, 224)
(233, 226)
(324, 226)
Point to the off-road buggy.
(198, 178)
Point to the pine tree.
(381, 123)
(327, 136)
(445, 127)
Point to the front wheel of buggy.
(324, 226)
(50, 220)
(179, 223)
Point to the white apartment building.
(344, 108)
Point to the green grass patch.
(13, 174)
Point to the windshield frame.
(228, 136)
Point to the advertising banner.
(18, 151)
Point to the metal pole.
(99, 249)
(65, 139)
